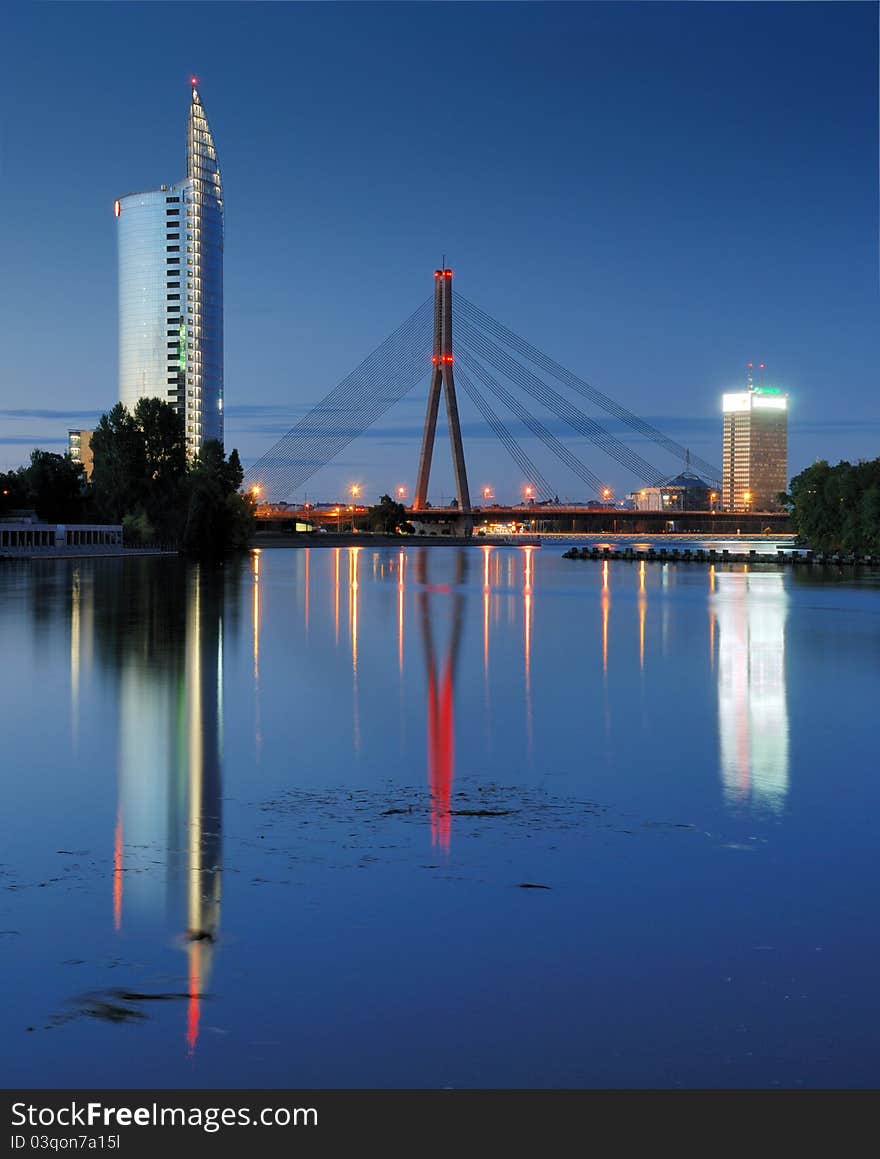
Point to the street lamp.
(487, 494)
(713, 495)
(401, 494)
(529, 492)
(747, 498)
(606, 493)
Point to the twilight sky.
(653, 193)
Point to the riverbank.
(82, 553)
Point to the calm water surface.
(274, 824)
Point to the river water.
(438, 817)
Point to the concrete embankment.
(712, 555)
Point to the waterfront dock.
(794, 558)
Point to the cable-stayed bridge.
(505, 377)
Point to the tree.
(119, 470)
(838, 508)
(388, 516)
(218, 519)
(54, 486)
(13, 490)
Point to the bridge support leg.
(442, 377)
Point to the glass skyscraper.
(171, 290)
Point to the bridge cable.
(561, 374)
(485, 348)
(354, 399)
(535, 426)
(502, 433)
(364, 395)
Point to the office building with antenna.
(755, 446)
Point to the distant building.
(686, 492)
(171, 290)
(755, 449)
(79, 447)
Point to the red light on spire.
(762, 367)
(750, 365)
(193, 80)
(437, 273)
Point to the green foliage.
(54, 486)
(119, 466)
(388, 516)
(14, 492)
(137, 531)
(838, 508)
(142, 480)
(218, 519)
(141, 477)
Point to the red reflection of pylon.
(441, 701)
(193, 1008)
(441, 754)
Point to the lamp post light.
(713, 496)
(747, 499)
(487, 494)
(401, 494)
(529, 492)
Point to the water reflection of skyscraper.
(164, 634)
(750, 611)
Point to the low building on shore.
(30, 537)
(685, 492)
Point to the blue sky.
(653, 193)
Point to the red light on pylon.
(447, 273)
(437, 273)
(435, 359)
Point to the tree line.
(837, 508)
(142, 479)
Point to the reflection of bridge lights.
(605, 601)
